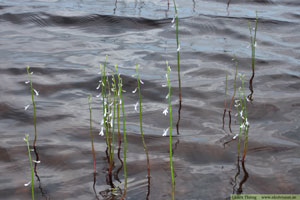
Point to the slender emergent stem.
(31, 166)
(170, 133)
(225, 99)
(141, 129)
(246, 124)
(91, 133)
(120, 84)
(234, 92)
(33, 104)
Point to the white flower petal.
(165, 131)
(135, 106)
(36, 92)
(164, 85)
(27, 184)
(98, 87)
(178, 49)
(165, 112)
(134, 91)
(36, 161)
(26, 107)
(101, 132)
(141, 82)
(234, 137)
(26, 82)
(167, 96)
(99, 95)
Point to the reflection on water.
(64, 42)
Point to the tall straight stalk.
(141, 129)
(33, 104)
(170, 133)
(91, 133)
(178, 66)
(120, 84)
(31, 167)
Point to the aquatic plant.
(33, 91)
(141, 128)
(120, 90)
(175, 20)
(170, 131)
(233, 96)
(242, 117)
(91, 133)
(253, 46)
(225, 99)
(31, 167)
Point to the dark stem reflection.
(238, 187)
(44, 194)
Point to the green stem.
(31, 166)
(124, 133)
(33, 104)
(141, 123)
(170, 134)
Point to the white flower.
(173, 20)
(134, 91)
(98, 87)
(36, 92)
(255, 44)
(178, 49)
(234, 137)
(242, 126)
(246, 122)
(102, 122)
(110, 115)
(165, 131)
(99, 95)
(120, 101)
(165, 112)
(173, 25)
(101, 132)
(167, 96)
(164, 85)
(26, 107)
(111, 123)
(26, 82)
(241, 114)
(135, 106)
(36, 161)
(111, 104)
(105, 113)
(27, 184)
(31, 73)
(141, 82)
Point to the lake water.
(65, 41)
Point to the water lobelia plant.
(33, 91)
(31, 166)
(170, 130)
(120, 86)
(242, 117)
(253, 46)
(141, 127)
(175, 20)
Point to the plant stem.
(170, 134)
(141, 129)
(31, 166)
(91, 133)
